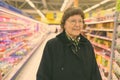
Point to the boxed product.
(99, 26)
(98, 58)
(104, 62)
(111, 25)
(107, 44)
(110, 34)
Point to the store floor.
(28, 72)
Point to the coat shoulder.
(54, 41)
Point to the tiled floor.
(29, 71)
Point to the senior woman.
(69, 56)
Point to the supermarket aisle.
(30, 69)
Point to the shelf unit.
(101, 33)
(19, 38)
(115, 50)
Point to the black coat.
(59, 62)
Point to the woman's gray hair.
(70, 12)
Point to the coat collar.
(62, 36)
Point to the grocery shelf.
(101, 46)
(103, 34)
(97, 22)
(101, 37)
(30, 68)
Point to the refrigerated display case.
(20, 36)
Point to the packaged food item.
(104, 62)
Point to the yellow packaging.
(99, 59)
(104, 62)
(100, 25)
(111, 25)
(110, 35)
(108, 65)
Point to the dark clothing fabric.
(60, 61)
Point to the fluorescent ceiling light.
(33, 6)
(66, 4)
(87, 10)
(111, 9)
(30, 3)
(105, 1)
(40, 13)
(95, 6)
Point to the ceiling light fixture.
(30, 3)
(66, 4)
(95, 6)
(33, 6)
(111, 9)
(40, 13)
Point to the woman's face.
(74, 25)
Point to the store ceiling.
(55, 5)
